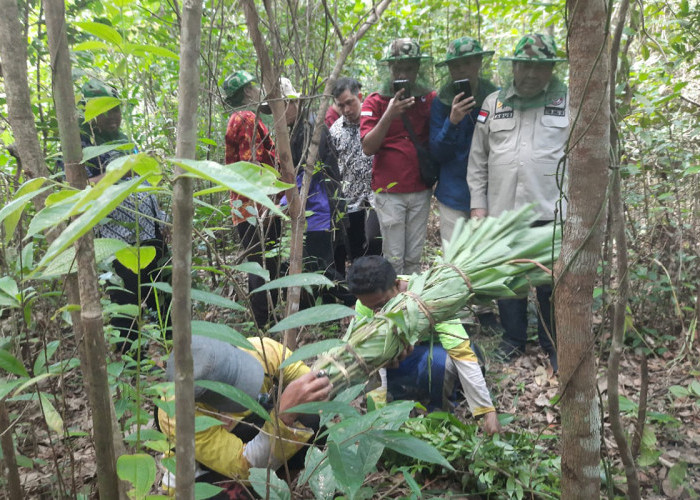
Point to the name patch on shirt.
(506, 113)
(365, 113)
(552, 111)
(483, 115)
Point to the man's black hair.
(370, 274)
(346, 83)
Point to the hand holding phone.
(462, 86)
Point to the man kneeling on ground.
(429, 374)
(244, 440)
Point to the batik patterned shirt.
(244, 131)
(355, 166)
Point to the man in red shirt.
(402, 200)
(248, 139)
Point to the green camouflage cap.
(463, 47)
(236, 81)
(97, 88)
(403, 48)
(535, 48)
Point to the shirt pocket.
(550, 138)
(503, 139)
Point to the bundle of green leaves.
(494, 257)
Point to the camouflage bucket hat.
(96, 88)
(236, 81)
(463, 47)
(535, 48)
(403, 48)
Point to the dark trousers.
(319, 256)
(256, 243)
(513, 314)
(363, 237)
(128, 293)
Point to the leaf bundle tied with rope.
(491, 258)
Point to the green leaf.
(114, 195)
(53, 419)
(11, 213)
(278, 489)
(98, 105)
(11, 364)
(411, 447)
(313, 315)
(679, 391)
(205, 297)
(91, 152)
(222, 332)
(347, 468)
(8, 386)
(253, 181)
(253, 268)
(31, 382)
(235, 394)
(140, 470)
(91, 46)
(205, 490)
(106, 33)
(204, 422)
(143, 50)
(65, 262)
(9, 292)
(301, 279)
(136, 258)
(677, 474)
(310, 350)
(322, 482)
(325, 407)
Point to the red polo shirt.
(396, 162)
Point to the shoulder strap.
(409, 128)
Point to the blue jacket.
(450, 146)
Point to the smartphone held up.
(462, 86)
(402, 84)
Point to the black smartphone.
(402, 84)
(462, 86)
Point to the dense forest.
(620, 419)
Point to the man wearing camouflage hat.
(452, 120)
(402, 199)
(517, 158)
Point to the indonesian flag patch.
(483, 115)
(365, 113)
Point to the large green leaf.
(91, 46)
(102, 31)
(55, 213)
(91, 217)
(205, 490)
(206, 297)
(278, 489)
(53, 418)
(314, 315)
(325, 407)
(309, 350)
(98, 105)
(253, 181)
(234, 394)
(143, 50)
(65, 262)
(204, 422)
(140, 470)
(91, 152)
(136, 258)
(347, 468)
(11, 213)
(9, 292)
(301, 279)
(11, 364)
(222, 332)
(410, 446)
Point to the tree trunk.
(90, 308)
(183, 210)
(10, 471)
(576, 269)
